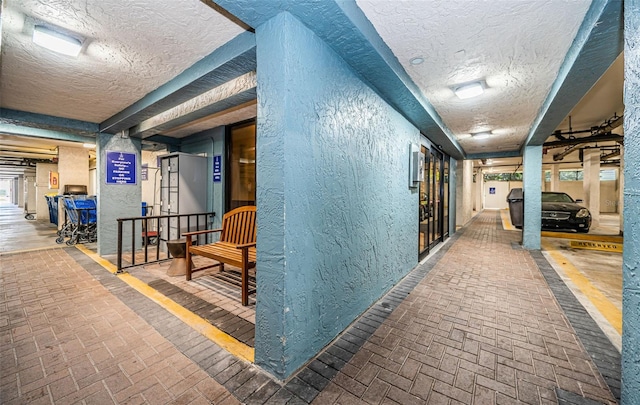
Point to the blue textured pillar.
(532, 186)
(332, 168)
(115, 200)
(631, 265)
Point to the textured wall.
(73, 168)
(337, 223)
(464, 192)
(115, 200)
(532, 186)
(42, 187)
(631, 267)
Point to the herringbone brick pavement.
(482, 327)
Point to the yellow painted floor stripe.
(506, 221)
(227, 342)
(583, 236)
(611, 313)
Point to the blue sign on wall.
(217, 168)
(492, 190)
(121, 168)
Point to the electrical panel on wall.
(416, 165)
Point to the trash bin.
(515, 198)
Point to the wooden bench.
(236, 247)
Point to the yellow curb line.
(611, 313)
(506, 221)
(196, 322)
(583, 236)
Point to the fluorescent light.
(469, 90)
(56, 41)
(417, 60)
(89, 145)
(481, 135)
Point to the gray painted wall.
(337, 222)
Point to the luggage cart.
(81, 225)
(28, 214)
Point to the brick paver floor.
(482, 327)
(66, 339)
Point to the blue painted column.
(332, 192)
(631, 264)
(116, 200)
(532, 187)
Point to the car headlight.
(582, 213)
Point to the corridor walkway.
(480, 322)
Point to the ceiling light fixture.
(481, 135)
(469, 90)
(55, 41)
(417, 60)
(89, 145)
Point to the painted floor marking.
(610, 312)
(227, 342)
(603, 247)
(506, 221)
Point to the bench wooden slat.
(238, 230)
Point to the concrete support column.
(620, 207)
(555, 178)
(73, 168)
(20, 191)
(532, 187)
(479, 187)
(115, 200)
(631, 251)
(313, 104)
(42, 187)
(454, 180)
(464, 188)
(591, 183)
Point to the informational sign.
(144, 172)
(121, 168)
(54, 181)
(217, 168)
(492, 190)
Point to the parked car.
(560, 211)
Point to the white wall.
(42, 188)
(498, 200)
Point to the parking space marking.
(610, 312)
(196, 322)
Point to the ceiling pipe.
(588, 139)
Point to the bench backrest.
(239, 225)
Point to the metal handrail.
(153, 225)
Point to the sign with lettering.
(121, 168)
(217, 168)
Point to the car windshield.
(556, 197)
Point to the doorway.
(434, 201)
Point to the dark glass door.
(434, 201)
(241, 166)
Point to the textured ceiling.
(516, 47)
(130, 49)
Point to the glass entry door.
(434, 189)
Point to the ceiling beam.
(495, 155)
(598, 43)
(231, 60)
(21, 130)
(48, 122)
(237, 91)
